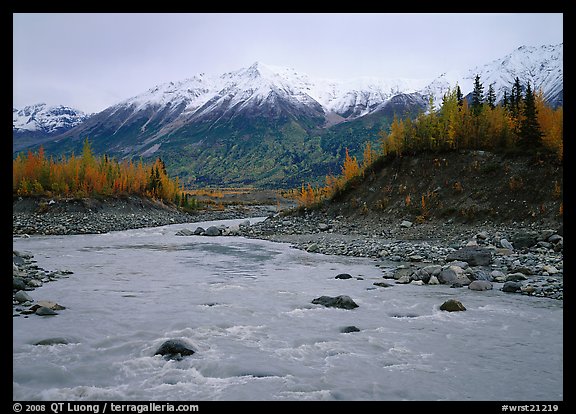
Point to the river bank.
(524, 258)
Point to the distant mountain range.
(266, 125)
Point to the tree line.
(521, 122)
(88, 175)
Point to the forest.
(521, 123)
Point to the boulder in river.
(511, 287)
(452, 305)
(480, 285)
(341, 302)
(349, 329)
(175, 349)
(343, 276)
(212, 231)
(44, 311)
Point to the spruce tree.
(477, 96)
(530, 132)
(491, 97)
(515, 98)
(459, 96)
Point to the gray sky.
(94, 60)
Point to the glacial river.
(245, 306)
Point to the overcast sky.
(95, 60)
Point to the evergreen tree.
(477, 96)
(530, 132)
(505, 101)
(515, 98)
(491, 97)
(459, 96)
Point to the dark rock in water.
(349, 329)
(212, 231)
(44, 311)
(515, 277)
(199, 231)
(474, 256)
(184, 232)
(18, 283)
(175, 349)
(342, 302)
(480, 285)
(452, 305)
(382, 284)
(512, 287)
(53, 341)
(22, 297)
(343, 276)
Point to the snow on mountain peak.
(542, 66)
(44, 118)
(260, 84)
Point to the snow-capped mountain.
(542, 66)
(46, 119)
(277, 123)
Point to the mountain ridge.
(263, 111)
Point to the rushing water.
(245, 306)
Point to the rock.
(524, 240)
(234, 230)
(312, 248)
(417, 282)
(175, 349)
(401, 272)
(403, 280)
(483, 235)
(343, 276)
(349, 329)
(498, 276)
(452, 305)
(453, 275)
(433, 280)
(506, 244)
(511, 287)
(53, 341)
(480, 285)
(323, 226)
(406, 224)
(341, 302)
(433, 270)
(44, 311)
(382, 284)
(50, 305)
(22, 297)
(34, 283)
(515, 277)
(18, 283)
(184, 232)
(479, 274)
(527, 290)
(550, 269)
(199, 231)
(212, 231)
(474, 256)
(555, 238)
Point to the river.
(245, 306)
